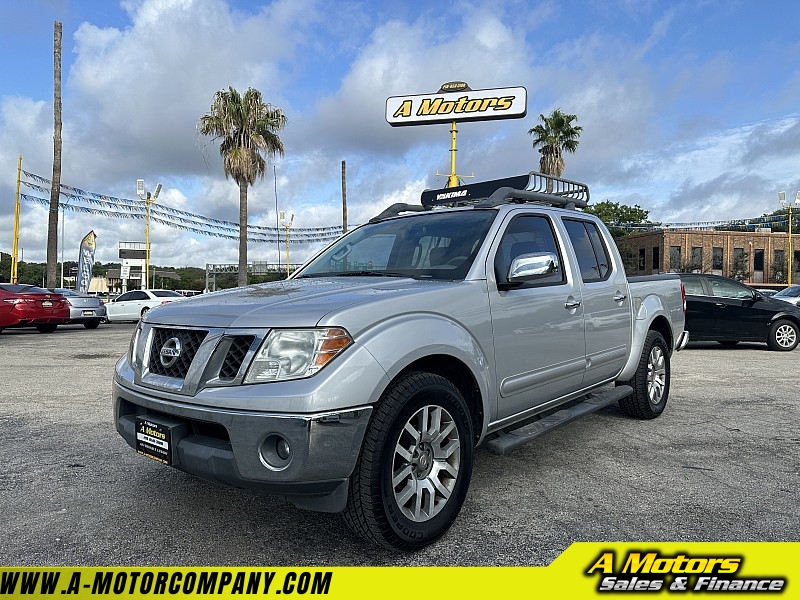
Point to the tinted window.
(138, 295)
(165, 294)
(527, 235)
(692, 285)
(593, 257)
(729, 289)
(21, 288)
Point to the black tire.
(144, 312)
(46, 328)
(783, 336)
(92, 324)
(728, 343)
(385, 512)
(651, 382)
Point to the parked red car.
(30, 306)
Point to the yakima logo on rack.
(462, 105)
(449, 195)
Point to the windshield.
(790, 292)
(431, 245)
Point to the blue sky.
(689, 109)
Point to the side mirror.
(530, 267)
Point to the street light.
(287, 225)
(148, 200)
(788, 205)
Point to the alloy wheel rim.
(785, 336)
(426, 463)
(656, 375)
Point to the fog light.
(282, 448)
(275, 452)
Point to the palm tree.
(248, 129)
(554, 135)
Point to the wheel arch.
(460, 375)
(641, 328)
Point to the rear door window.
(594, 260)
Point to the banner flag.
(85, 262)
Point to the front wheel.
(782, 336)
(415, 466)
(651, 382)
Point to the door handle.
(721, 305)
(619, 297)
(572, 304)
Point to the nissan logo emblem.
(170, 352)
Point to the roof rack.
(533, 187)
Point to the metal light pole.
(788, 205)
(287, 225)
(15, 243)
(148, 200)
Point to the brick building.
(755, 257)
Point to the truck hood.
(289, 303)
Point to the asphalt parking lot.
(721, 464)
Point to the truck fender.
(647, 310)
(400, 341)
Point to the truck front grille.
(172, 350)
(235, 356)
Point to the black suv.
(726, 311)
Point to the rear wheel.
(651, 382)
(92, 324)
(144, 312)
(782, 336)
(46, 328)
(415, 465)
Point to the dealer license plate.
(153, 440)
(47, 303)
(88, 313)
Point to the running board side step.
(508, 440)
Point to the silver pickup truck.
(488, 314)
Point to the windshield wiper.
(366, 273)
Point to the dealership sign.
(463, 104)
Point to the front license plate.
(47, 303)
(153, 440)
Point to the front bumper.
(237, 447)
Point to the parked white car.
(131, 306)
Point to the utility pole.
(55, 186)
(344, 200)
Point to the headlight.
(134, 344)
(296, 353)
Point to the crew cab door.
(537, 324)
(606, 306)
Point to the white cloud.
(661, 126)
